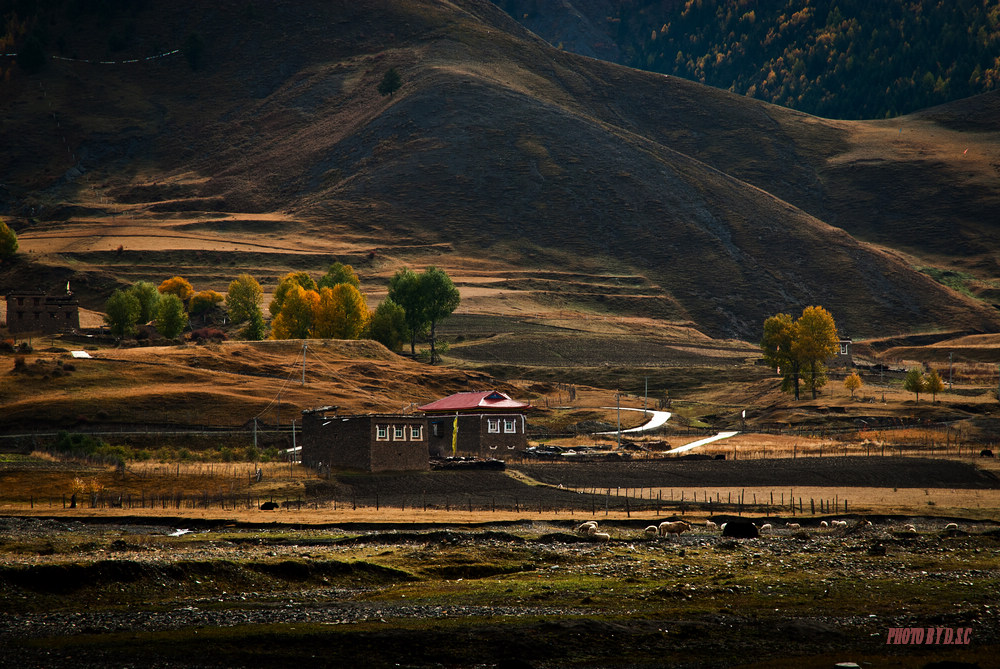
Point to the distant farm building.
(483, 424)
(843, 357)
(34, 312)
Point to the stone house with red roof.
(484, 424)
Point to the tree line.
(847, 59)
(332, 307)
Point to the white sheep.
(766, 527)
(793, 526)
(709, 525)
(587, 528)
(677, 527)
(909, 528)
(838, 523)
(951, 526)
(723, 527)
(823, 523)
(651, 531)
(600, 536)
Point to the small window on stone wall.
(382, 432)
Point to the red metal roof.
(480, 400)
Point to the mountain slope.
(508, 157)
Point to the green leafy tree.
(405, 291)
(339, 273)
(815, 340)
(244, 298)
(853, 383)
(121, 312)
(390, 83)
(170, 317)
(149, 298)
(178, 286)
(290, 280)
(8, 241)
(388, 325)
(933, 384)
(914, 382)
(440, 298)
(776, 344)
(255, 329)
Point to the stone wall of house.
(365, 443)
(37, 313)
(479, 435)
(391, 451)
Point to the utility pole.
(618, 396)
(278, 419)
(255, 434)
(950, 354)
(304, 347)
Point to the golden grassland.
(230, 491)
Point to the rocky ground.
(531, 594)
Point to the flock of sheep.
(590, 530)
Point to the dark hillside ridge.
(497, 144)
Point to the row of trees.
(301, 307)
(797, 350)
(145, 302)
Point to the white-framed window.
(843, 349)
(493, 425)
(416, 432)
(382, 433)
(398, 432)
(509, 426)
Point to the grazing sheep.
(709, 525)
(587, 528)
(909, 528)
(766, 527)
(839, 523)
(677, 527)
(722, 527)
(950, 526)
(651, 531)
(793, 526)
(823, 523)
(600, 536)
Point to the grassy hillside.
(562, 184)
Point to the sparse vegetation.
(391, 82)
(8, 241)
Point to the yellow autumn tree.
(853, 383)
(342, 313)
(295, 319)
(178, 286)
